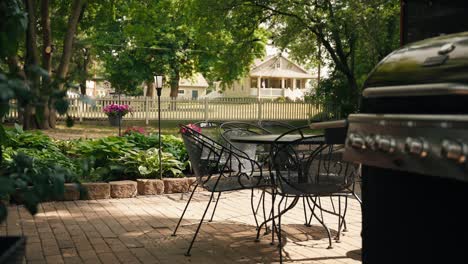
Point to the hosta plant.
(146, 164)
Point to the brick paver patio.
(138, 230)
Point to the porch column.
(259, 85)
(294, 83)
(282, 83)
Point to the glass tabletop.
(270, 139)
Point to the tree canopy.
(60, 43)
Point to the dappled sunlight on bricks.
(138, 230)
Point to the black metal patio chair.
(218, 169)
(311, 173)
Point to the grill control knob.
(417, 146)
(454, 150)
(386, 144)
(356, 141)
(371, 142)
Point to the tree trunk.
(31, 62)
(174, 89)
(175, 85)
(46, 63)
(150, 89)
(84, 77)
(62, 70)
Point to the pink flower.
(133, 129)
(115, 109)
(191, 126)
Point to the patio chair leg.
(216, 206)
(313, 208)
(345, 229)
(280, 244)
(305, 212)
(292, 205)
(199, 225)
(273, 226)
(337, 238)
(264, 213)
(322, 223)
(260, 201)
(253, 208)
(185, 209)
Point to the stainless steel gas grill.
(411, 136)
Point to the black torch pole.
(119, 115)
(158, 90)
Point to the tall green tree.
(170, 37)
(344, 31)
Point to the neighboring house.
(272, 77)
(190, 88)
(98, 87)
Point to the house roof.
(197, 80)
(257, 71)
(280, 73)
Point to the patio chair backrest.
(239, 129)
(317, 170)
(248, 150)
(208, 158)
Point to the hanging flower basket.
(115, 112)
(115, 120)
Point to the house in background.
(98, 87)
(189, 88)
(95, 88)
(272, 77)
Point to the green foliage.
(174, 146)
(145, 163)
(102, 150)
(12, 28)
(334, 95)
(283, 99)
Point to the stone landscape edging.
(128, 188)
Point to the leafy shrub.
(175, 146)
(145, 163)
(91, 160)
(32, 183)
(142, 141)
(102, 150)
(283, 99)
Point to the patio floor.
(138, 230)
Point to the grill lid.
(437, 60)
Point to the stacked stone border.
(127, 188)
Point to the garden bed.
(100, 165)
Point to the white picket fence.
(145, 108)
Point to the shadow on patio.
(139, 230)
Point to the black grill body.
(412, 138)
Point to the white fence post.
(206, 109)
(146, 111)
(259, 102)
(80, 105)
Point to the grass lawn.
(97, 129)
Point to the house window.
(288, 83)
(278, 64)
(253, 83)
(181, 91)
(298, 84)
(194, 94)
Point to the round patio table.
(274, 139)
